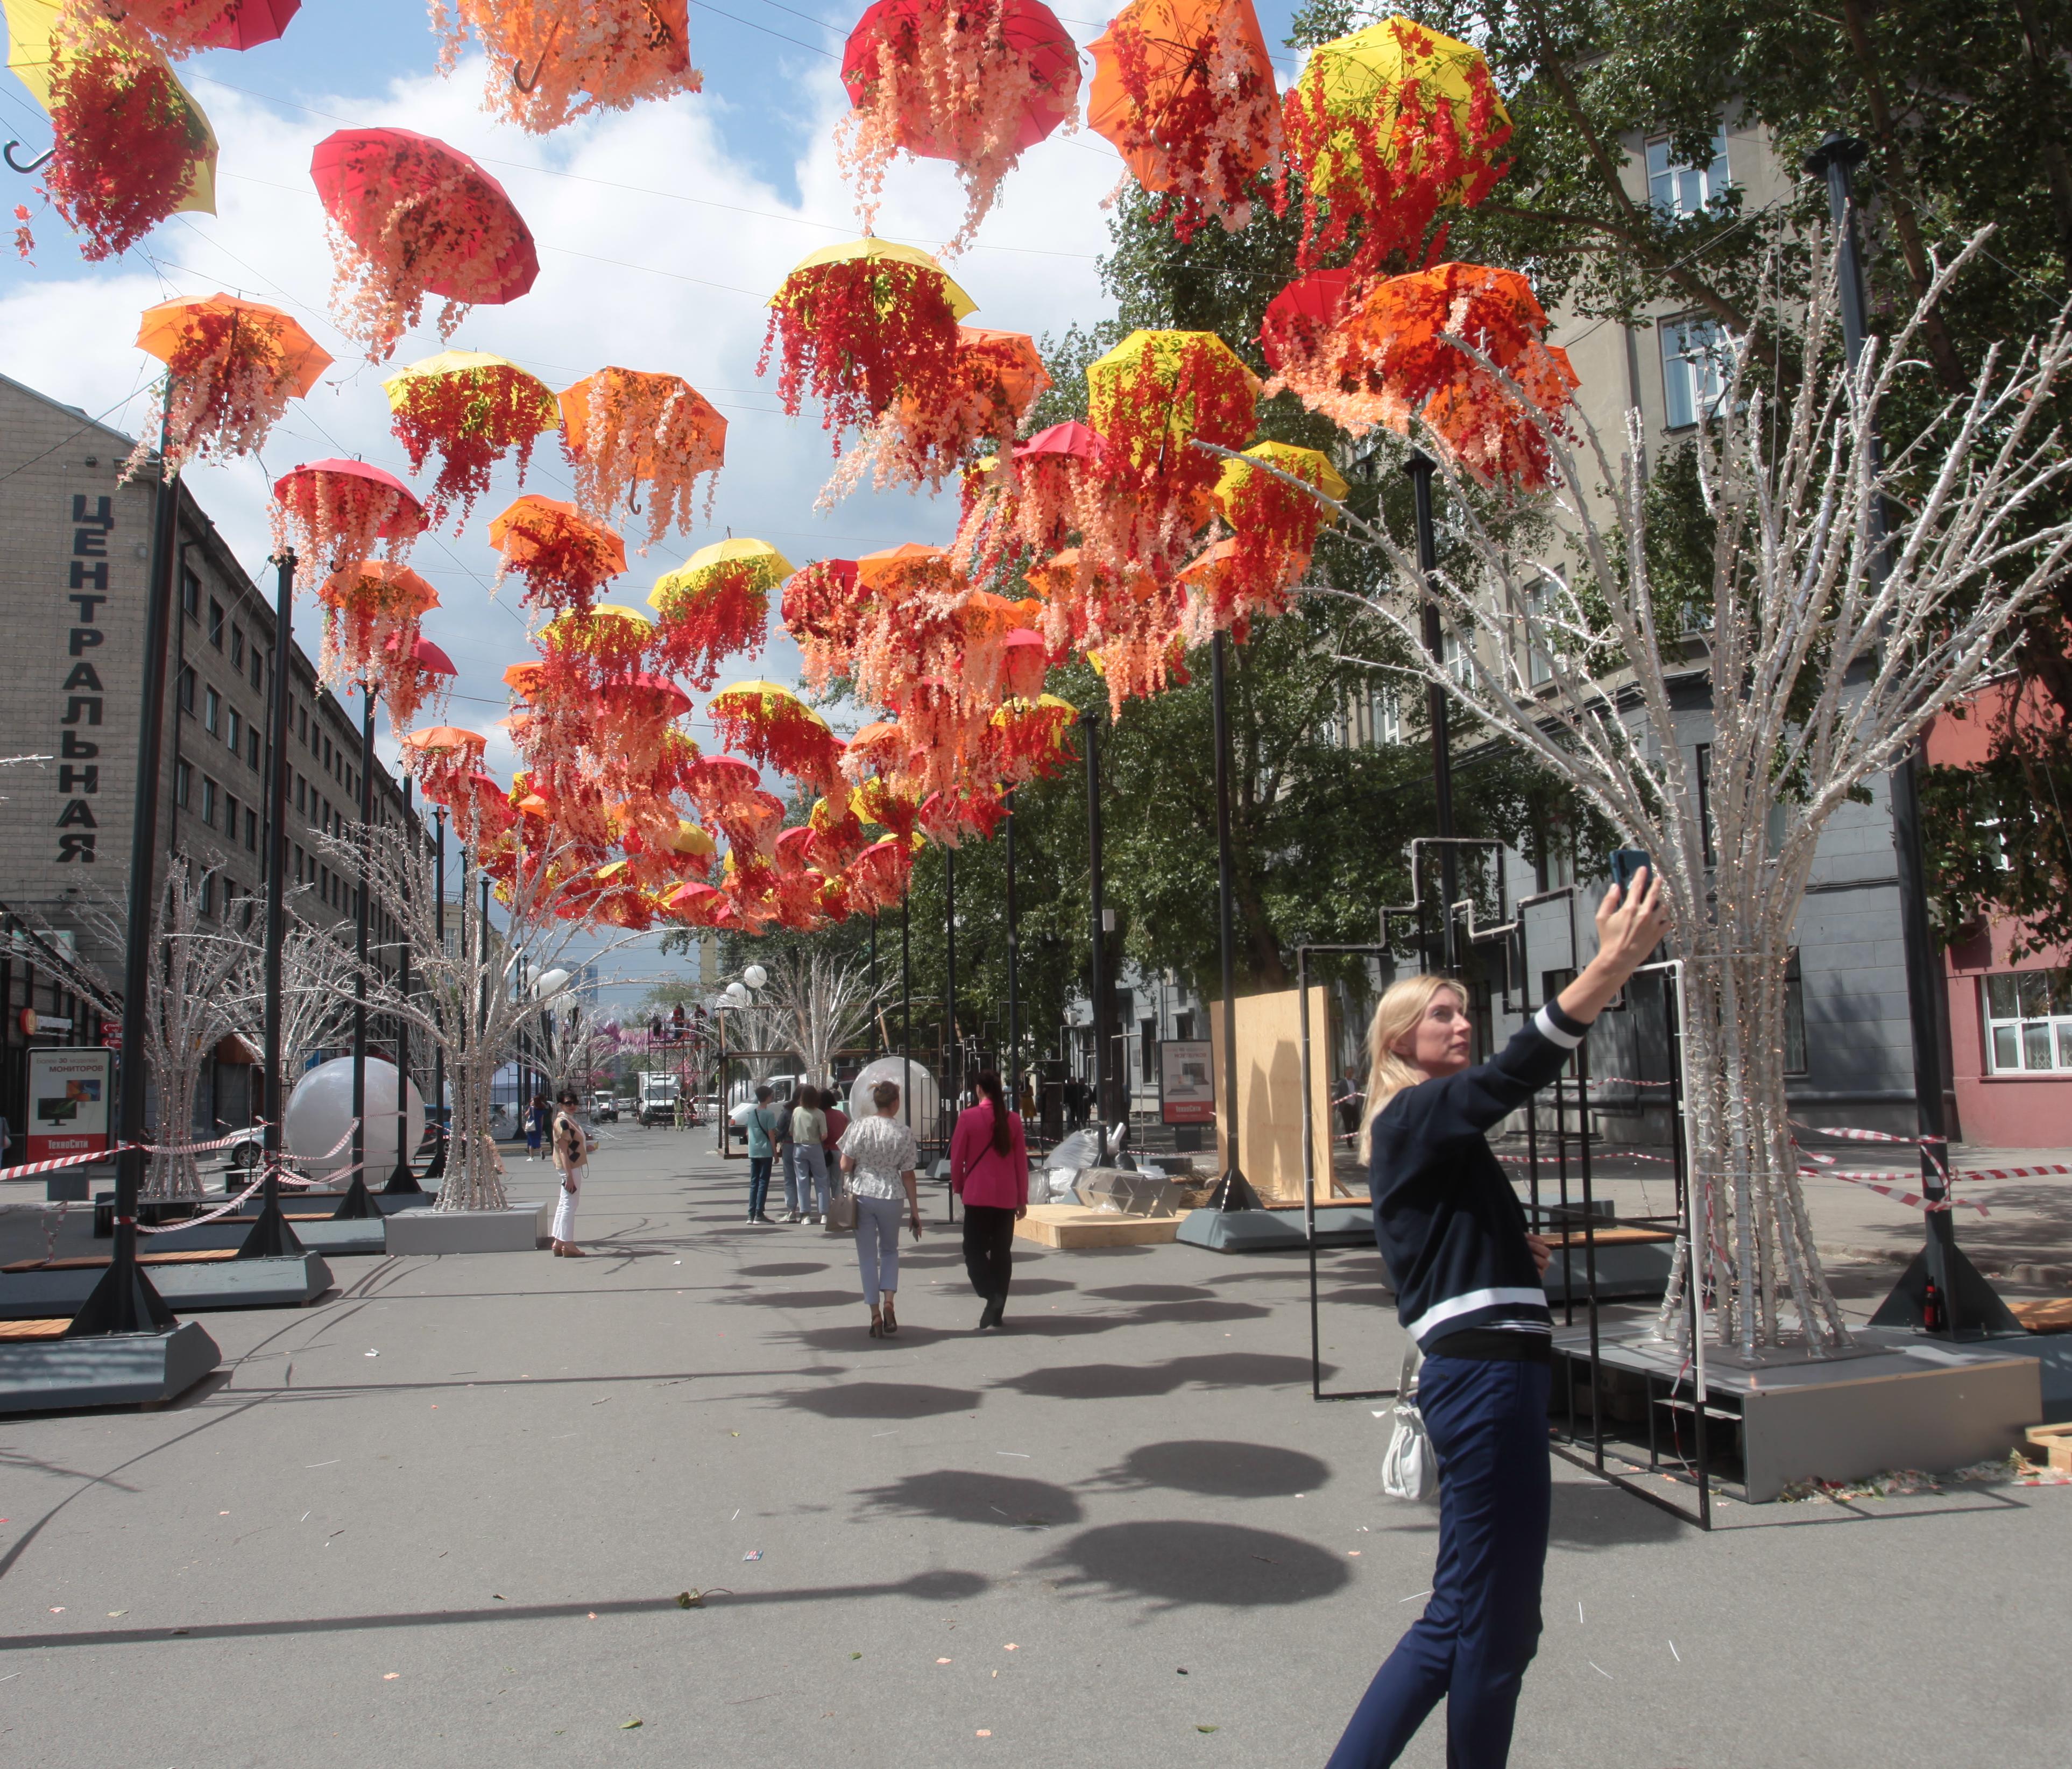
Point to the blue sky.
(661, 230)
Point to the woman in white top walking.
(809, 1131)
(879, 1156)
(572, 1160)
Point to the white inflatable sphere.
(755, 975)
(320, 1112)
(919, 1091)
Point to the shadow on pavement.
(798, 1270)
(881, 1401)
(1588, 1515)
(802, 1299)
(962, 1496)
(1155, 1292)
(1220, 1470)
(1175, 1562)
(936, 1587)
(1122, 1381)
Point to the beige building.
(74, 551)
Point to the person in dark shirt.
(1467, 1278)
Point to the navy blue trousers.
(758, 1184)
(1488, 1423)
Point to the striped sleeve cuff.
(1558, 1028)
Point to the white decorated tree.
(816, 1002)
(1830, 643)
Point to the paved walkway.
(444, 1518)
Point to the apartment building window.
(1684, 191)
(251, 828)
(2028, 1021)
(302, 723)
(191, 594)
(187, 689)
(1704, 770)
(1538, 609)
(182, 783)
(1387, 714)
(252, 747)
(1693, 370)
(258, 665)
(208, 801)
(237, 647)
(230, 808)
(211, 712)
(207, 894)
(1794, 1017)
(1454, 654)
(216, 623)
(235, 736)
(299, 784)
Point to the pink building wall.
(1994, 1111)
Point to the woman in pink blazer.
(989, 1171)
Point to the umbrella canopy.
(871, 247)
(166, 329)
(1029, 31)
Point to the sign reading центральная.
(68, 1101)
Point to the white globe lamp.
(320, 1113)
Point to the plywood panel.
(1269, 1089)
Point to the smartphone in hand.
(1625, 863)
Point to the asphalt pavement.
(453, 1514)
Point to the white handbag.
(1408, 1468)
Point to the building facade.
(74, 549)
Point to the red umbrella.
(1031, 31)
(244, 24)
(1297, 320)
(1070, 438)
(409, 518)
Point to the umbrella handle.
(7, 153)
(518, 75)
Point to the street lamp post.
(1419, 468)
(404, 1180)
(272, 1237)
(1233, 1190)
(438, 1168)
(1090, 728)
(1013, 972)
(125, 1301)
(356, 1203)
(951, 1055)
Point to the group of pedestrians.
(872, 1164)
(800, 1140)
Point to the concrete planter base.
(188, 1286)
(518, 1229)
(124, 1369)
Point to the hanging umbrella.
(130, 146)
(367, 605)
(411, 217)
(550, 62)
(182, 26)
(716, 603)
(858, 325)
(1384, 129)
(333, 512)
(974, 82)
(770, 725)
(233, 365)
(1184, 88)
(627, 432)
(564, 557)
(472, 408)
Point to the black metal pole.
(1962, 1297)
(874, 980)
(125, 1300)
(356, 1203)
(1233, 1190)
(272, 1237)
(906, 1003)
(1014, 973)
(951, 1054)
(1419, 468)
(1090, 727)
(404, 1180)
(438, 1168)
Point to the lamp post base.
(357, 1202)
(1234, 1192)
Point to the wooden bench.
(2055, 1442)
(33, 1330)
(88, 1261)
(2051, 1315)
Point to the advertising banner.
(1187, 1087)
(70, 1092)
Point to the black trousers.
(988, 1249)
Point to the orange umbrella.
(625, 429)
(564, 556)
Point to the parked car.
(603, 1108)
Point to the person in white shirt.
(572, 1160)
(879, 1156)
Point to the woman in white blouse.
(878, 1156)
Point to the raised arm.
(1630, 925)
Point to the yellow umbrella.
(766, 567)
(1204, 390)
(869, 246)
(461, 362)
(1307, 464)
(29, 23)
(1360, 79)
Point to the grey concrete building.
(74, 555)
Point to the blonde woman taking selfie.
(1467, 1277)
